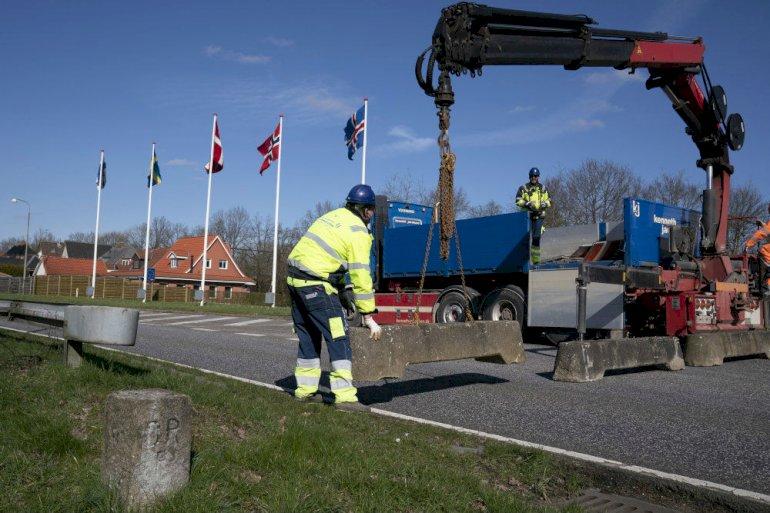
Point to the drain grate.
(594, 501)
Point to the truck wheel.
(506, 304)
(451, 307)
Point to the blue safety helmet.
(361, 195)
(534, 172)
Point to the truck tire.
(505, 304)
(451, 307)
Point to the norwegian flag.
(354, 131)
(218, 158)
(270, 149)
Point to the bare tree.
(490, 208)
(9, 242)
(591, 193)
(674, 189)
(163, 233)
(81, 236)
(405, 188)
(42, 235)
(746, 207)
(234, 226)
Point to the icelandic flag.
(354, 132)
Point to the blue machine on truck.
(500, 280)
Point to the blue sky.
(80, 76)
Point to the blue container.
(489, 245)
(646, 222)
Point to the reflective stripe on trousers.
(308, 374)
(341, 381)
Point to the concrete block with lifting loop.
(403, 344)
(588, 360)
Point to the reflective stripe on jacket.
(336, 243)
(534, 194)
(761, 237)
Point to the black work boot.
(315, 398)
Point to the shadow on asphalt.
(383, 393)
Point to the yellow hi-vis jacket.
(761, 237)
(336, 243)
(534, 194)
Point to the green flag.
(155, 178)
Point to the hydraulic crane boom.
(471, 36)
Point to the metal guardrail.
(105, 325)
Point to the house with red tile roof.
(57, 266)
(181, 264)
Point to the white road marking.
(246, 323)
(196, 321)
(251, 334)
(203, 329)
(143, 314)
(173, 318)
(709, 485)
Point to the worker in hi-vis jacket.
(533, 198)
(762, 238)
(336, 244)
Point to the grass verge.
(218, 308)
(253, 449)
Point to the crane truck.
(660, 271)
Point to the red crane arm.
(470, 36)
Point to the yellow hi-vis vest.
(335, 243)
(535, 194)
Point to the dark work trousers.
(318, 316)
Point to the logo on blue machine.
(636, 208)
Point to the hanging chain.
(445, 183)
(426, 255)
(446, 208)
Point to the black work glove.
(347, 299)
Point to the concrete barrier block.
(147, 443)
(403, 344)
(580, 362)
(101, 324)
(708, 349)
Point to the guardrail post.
(72, 352)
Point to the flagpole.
(208, 206)
(147, 230)
(96, 230)
(366, 130)
(277, 196)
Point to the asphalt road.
(705, 423)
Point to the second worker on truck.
(761, 238)
(533, 198)
(336, 244)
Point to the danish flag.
(218, 156)
(270, 149)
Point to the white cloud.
(246, 58)
(212, 50)
(406, 141)
(586, 124)
(611, 77)
(521, 108)
(181, 163)
(280, 42)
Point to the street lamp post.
(26, 245)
